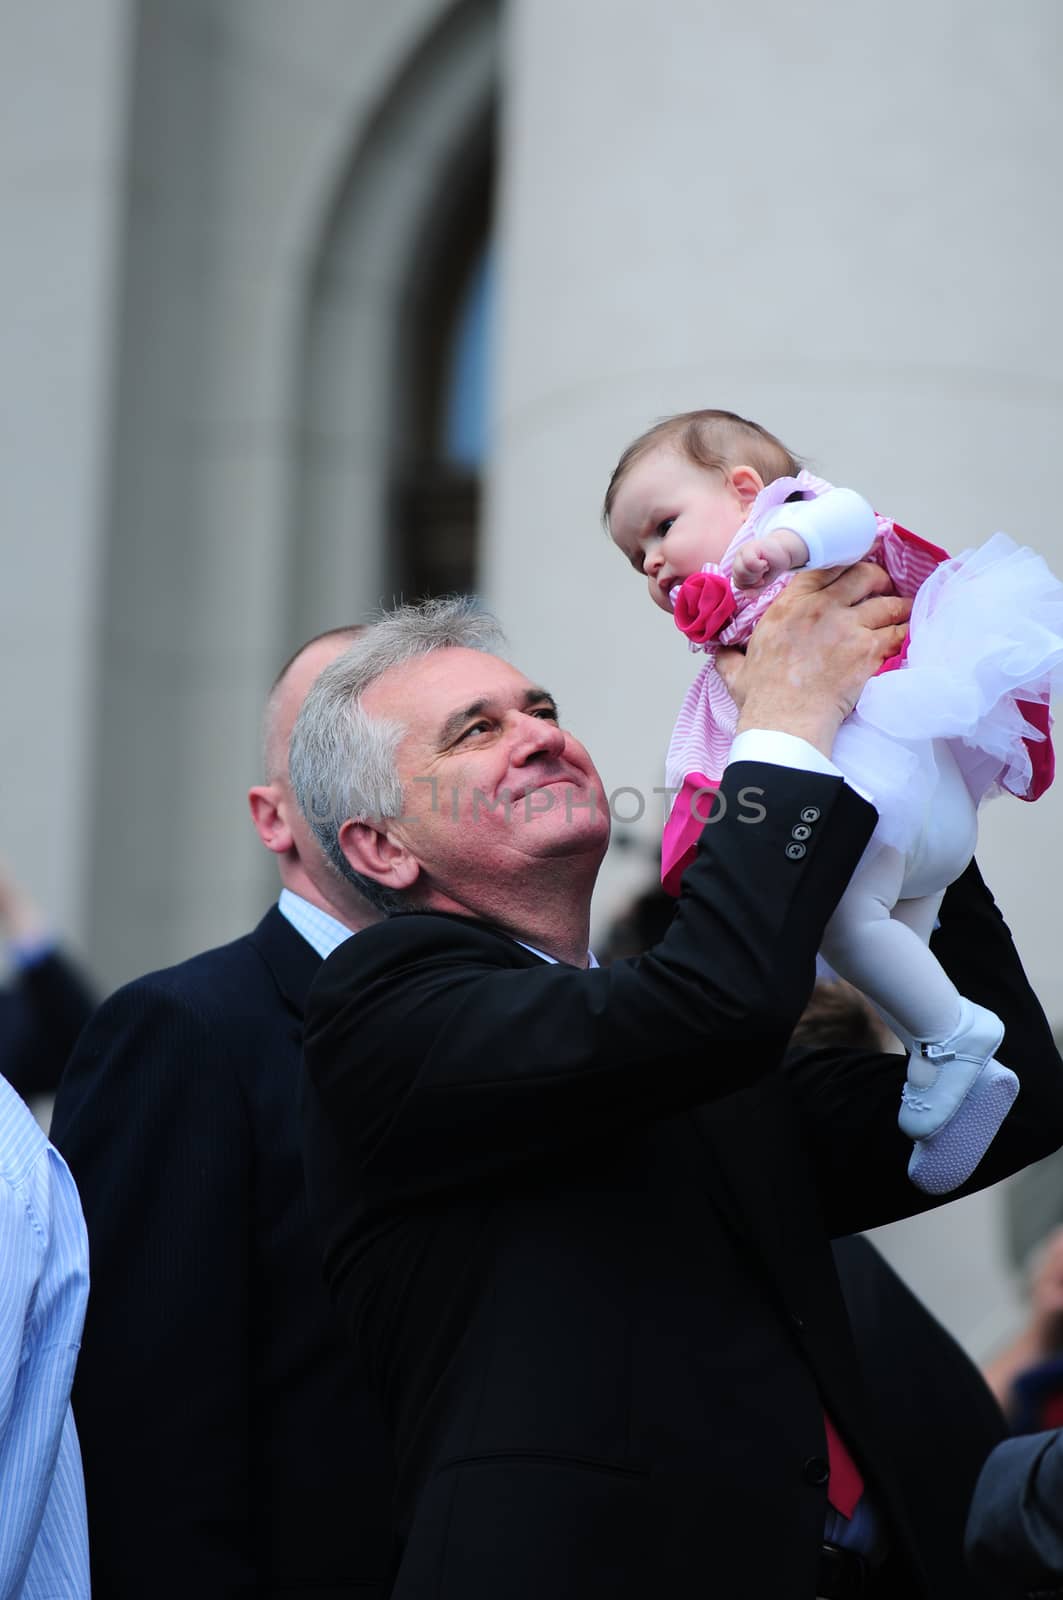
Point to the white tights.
(879, 935)
(880, 942)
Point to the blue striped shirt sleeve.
(43, 1290)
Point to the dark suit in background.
(1015, 1532)
(42, 1011)
(230, 1446)
(578, 1223)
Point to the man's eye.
(474, 727)
(548, 713)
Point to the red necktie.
(845, 1485)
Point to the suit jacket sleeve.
(1015, 1527)
(151, 1120)
(439, 1054)
(848, 1100)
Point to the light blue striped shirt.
(44, 1284)
(322, 932)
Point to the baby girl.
(716, 513)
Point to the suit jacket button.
(816, 1470)
(810, 814)
(802, 831)
(795, 851)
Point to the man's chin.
(578, 829)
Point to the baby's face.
(671, 516)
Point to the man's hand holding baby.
(813, 651)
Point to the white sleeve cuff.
(781, 750)
(839, 526)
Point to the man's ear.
(379, 854)
(747, 483)
(267, 814)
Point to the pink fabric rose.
(703, 605)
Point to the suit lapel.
(293, 962)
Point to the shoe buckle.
(936, 1052)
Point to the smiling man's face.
(494, 786)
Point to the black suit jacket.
(936, 1415)
(230, 1445)
(578, 1222)
(41, 1014)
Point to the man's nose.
(535, 736)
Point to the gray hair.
(341, 762)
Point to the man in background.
(230, 1445)
(47, 1002)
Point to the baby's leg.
(956, 1095)
(920, 914)
(879, 943)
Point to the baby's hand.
(760, 562)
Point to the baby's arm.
(833, 530)
(761, 560)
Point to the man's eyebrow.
(540, 697)
(458, 719)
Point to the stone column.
(63, 88)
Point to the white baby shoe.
(954, 1100)
(947, 1159)
(940, 1075)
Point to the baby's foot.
(942, 1071)
(947, 1159)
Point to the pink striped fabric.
(705, 727)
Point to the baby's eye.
(663, 527)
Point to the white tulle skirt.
(986, 630)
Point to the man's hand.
(814, 649)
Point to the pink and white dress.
(983, 656)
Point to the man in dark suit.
(577, 1220)
(47, 1002)
(230, 1445)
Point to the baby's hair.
(717, 440)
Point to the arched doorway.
(384, 503)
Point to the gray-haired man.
(576, 1219)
